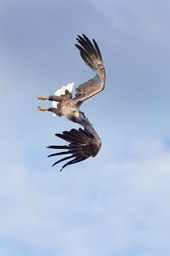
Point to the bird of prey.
(83, 143)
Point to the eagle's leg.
(53, 110)
(51, 98)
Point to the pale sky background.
(116, 203)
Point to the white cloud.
(89, 211)
(116, 203)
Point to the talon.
(42, 108)
(42, 98)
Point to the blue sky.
(118, 202)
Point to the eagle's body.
(87, 141)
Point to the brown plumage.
(68, 105)
(91, 55)
(82, 143)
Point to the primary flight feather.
(82, 143)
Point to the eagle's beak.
(76, 114)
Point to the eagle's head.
(73, 114)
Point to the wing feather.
(82, 145)
(91, 55)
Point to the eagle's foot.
(42, 108)
(42, 98)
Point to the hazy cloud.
(116, 203)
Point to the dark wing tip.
(89, 51)
(82, 145)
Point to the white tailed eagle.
(83, 143)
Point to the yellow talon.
(42, 108)
(42, 98)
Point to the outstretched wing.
(91, 55)
(82, 145)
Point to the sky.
(118, 202)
